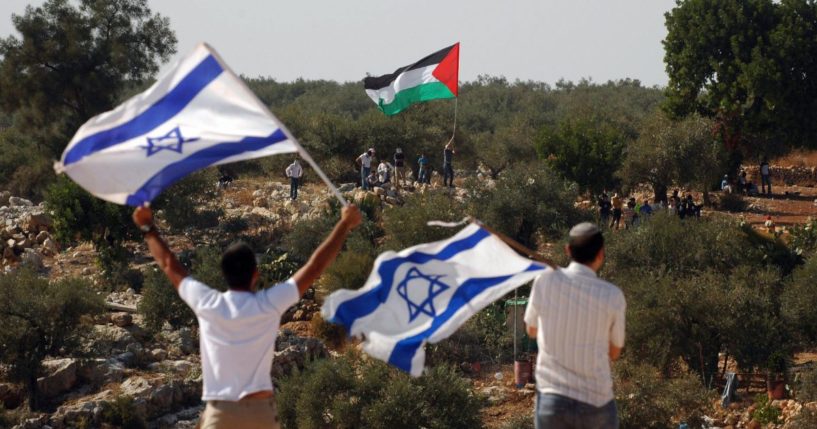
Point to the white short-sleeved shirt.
(365, 160)
(237, 335)
(577, 316)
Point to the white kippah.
(584, 230)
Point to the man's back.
(238, 332)
(577, 316)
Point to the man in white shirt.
(238, 328)
(294, 172)
(365, 163)
(578, 322)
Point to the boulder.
(41, 237)
(19, 202)
(32, 259)
(346, 187)
(136, 386)
(158, 354)
(36, 222)
(109, 338)
(121, 319)
(294, 351)
(379, 191)
(50, 247)
(62, 376)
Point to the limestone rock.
(62, 377)
(19, 202)
(122, 319)
(36, 222)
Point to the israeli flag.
(197, 115)
(426, 292)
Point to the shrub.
(765, 412)
(331, 333)
(349, 271)
(160, 303)
(40, 319)
(803, 238)
(122, 413)
(733, 202)
(646, 400)
(528, 202)
(407, 226)
(347, 392)
(180, 204)
(484, 337)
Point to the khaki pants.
(245, 414)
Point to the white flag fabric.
(197, 115)
(424, 293)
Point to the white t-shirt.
(365, 160)
(577, 315)
(237, 335)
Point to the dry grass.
(798, 158)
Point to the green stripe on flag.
(425, 92)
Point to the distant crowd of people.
(387, 172)
(746, 187)
(617, 214)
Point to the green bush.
(406, 226)
(160, 303)
(484, 337)
(349, 271)
(347, 392)
(122, 413)
(330, 333)
(765, 412)
(39, 319)
(646, 400)
(180, 205)
(803, 238)
(528, 203)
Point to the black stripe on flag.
(377, 82)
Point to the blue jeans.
(293, 187)
(559, 412)
(364, 174)
(422, 175)
(765, 180)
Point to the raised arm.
(326, 253)
(173, 269)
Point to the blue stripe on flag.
(405, 349)
(160, 112)
(363, 305)
(171, 173)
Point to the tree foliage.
(40, 318)
(748, 65)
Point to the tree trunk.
(660, 192)
(33, 392)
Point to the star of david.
(426, 306)
(172, 141)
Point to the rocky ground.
(162, 373)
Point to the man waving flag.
(424, 293)
(199, 114)
(433, 77)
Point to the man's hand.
(143, 216)
(350, 217)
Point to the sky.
(541, 40)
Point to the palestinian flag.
(433, 77)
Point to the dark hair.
(238, 265)
(585, 249)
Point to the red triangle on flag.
(448, 70)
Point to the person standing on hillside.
(578, 322)
(399, 163)
(448, 167)
(422, 174)
(618, 207)
(238, 328)
(765, 177)
(294, 172)
(365, 163)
